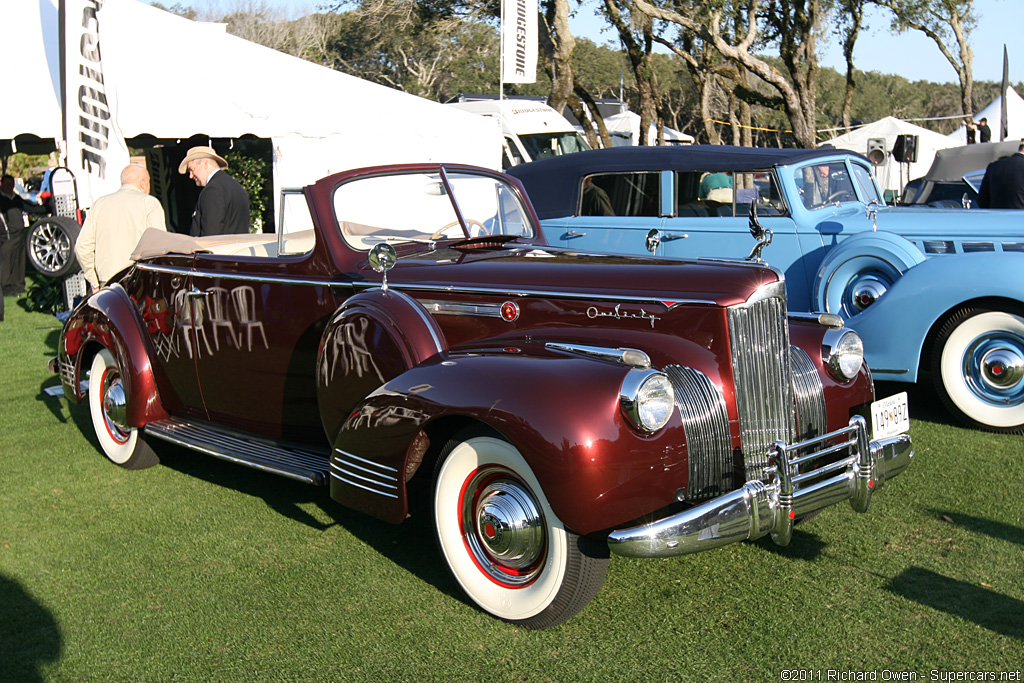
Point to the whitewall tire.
(108, 406)
(503, 543)
(978, 368)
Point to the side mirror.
(383, 258)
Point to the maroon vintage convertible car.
(407, 332)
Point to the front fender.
(895, 327)
(561, 413)
(109, 318)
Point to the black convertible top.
(553, 183)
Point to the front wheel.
(978, 368)
(108, 407)
(503, 543)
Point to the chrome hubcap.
(115, 410)
(866, 293)
(503, 527)
(994, 368)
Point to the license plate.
(890, 416)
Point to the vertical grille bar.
(706, 423)
(759, 340)
(809, 396)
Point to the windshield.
(411, 207)
(823, 184)
(543, 145)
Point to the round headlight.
(647, 399)
(843, 353)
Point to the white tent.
(892, 175)
(626, 126)
(175, 78)
(1014, 119)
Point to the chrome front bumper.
(799, 485)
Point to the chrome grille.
(66, 367)
(759, 341)
(808, 395)
(706, 424)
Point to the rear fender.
(896, 326)
(109, 319)
(561, 413)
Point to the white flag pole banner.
(95, 149)
(519, 41)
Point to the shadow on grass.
(993, 529)
(802, 546)
(410, 544)
(987, 608)
(29, 634)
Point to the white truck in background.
(530, 129)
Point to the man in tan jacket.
(114, 225)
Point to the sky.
(911, 54)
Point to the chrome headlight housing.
(647, 399)
(842, 352)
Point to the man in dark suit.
(223, 206)
(1003, 184)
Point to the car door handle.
(197, 294)
(572, 233)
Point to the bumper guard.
(798, 487)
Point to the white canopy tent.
(174, 78)
(626, 126)
(993, 112)
(890, 174)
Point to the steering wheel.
(469, 221)
(839, 196)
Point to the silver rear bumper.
(805, 477)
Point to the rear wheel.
(504, 544)
(978, 368)
(108, 407)
(51, 246)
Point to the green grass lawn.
(198, 570)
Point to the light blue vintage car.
(935, 293)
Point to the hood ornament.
(760, 233)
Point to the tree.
(949, 24)
(793, 25)
(851, 20)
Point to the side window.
(824, 184)
(865, 184)
(295, 224)
(620, 194)
(727, 194)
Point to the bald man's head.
(136, 175)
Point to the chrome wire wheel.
(502, 541)
(978, 367)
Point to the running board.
(288, 460)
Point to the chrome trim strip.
(360, 486)
(392, 286)
(461, 308)
(368, 462)
(342, 470)
(618, 355)
(365, 469)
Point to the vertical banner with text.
(95, 150)
(519, 41)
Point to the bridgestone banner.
(95, 149)
(519, 41)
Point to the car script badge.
(594, 312)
